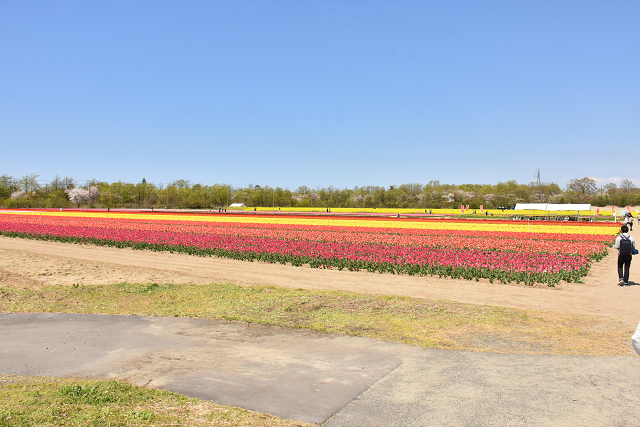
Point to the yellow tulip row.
(477, 225)
(457, 211)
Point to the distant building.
(237, 205)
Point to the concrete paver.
(293, 374)
(450, 388)
(325, 379)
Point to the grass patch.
(427, 323)
(42, 401)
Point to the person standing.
(625, 244)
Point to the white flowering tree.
(77, 195)
(18, 194)
(93, 194)
(80, 195)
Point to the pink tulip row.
(594, 247)
(453, 257)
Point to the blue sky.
(320, 93)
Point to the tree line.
(29, 192)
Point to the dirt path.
(34, 263)
(273, 369)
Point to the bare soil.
(597, 390)
(32, 263)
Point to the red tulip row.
(592, 246)
(443, 260)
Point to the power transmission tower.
(536, 176)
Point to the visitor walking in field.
(628, 220)
(625, 244)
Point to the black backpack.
(625, 246)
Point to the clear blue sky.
(319, 93)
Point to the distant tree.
(7, 181)
(520, 194)
(108, 199)
(542, 192)
(610, 187)
(29, 183)
(507, 193)
(303, 189)
(142, 193)
(601, 199)
(627, 186)
(183, 193)
(80, 195)
(68, 182)
(584, 186)
(93, 194)
(7, 186)
(57, 183)
(77, 195)
(180, 183)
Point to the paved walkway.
(325, 379)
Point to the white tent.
(531, 207)
(569, 207)
(553, 207)
(237, 205)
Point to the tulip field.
(503, 250)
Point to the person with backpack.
(625, 244)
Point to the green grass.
(38, 401)
(33, 401)
(427, 323)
